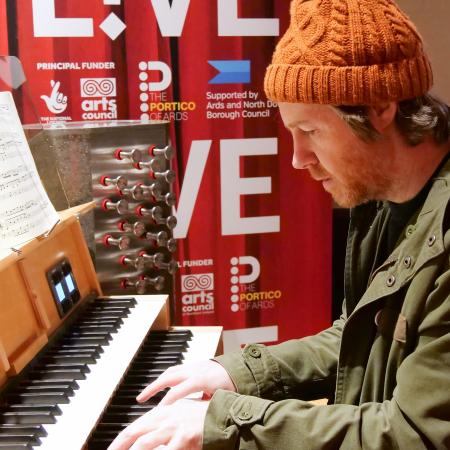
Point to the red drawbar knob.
(120, 225)
(123, 283)
(150, 150)
(104, 204)
(103, 180)
(137, 166)
(117, 153)
(122, 260)
(106, 239)
(139, 210)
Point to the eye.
(307, 132)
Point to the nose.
(303, 157)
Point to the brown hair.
(416, 118)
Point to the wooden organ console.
(71, 360)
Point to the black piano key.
(66, 388)
(20, 439)
(130, 401)
(101, 443)
(119, 311)
(69, 359)
(167, 340)
(133, 390)
(58, 374)
(89, 334)
(148, 346)
(9, 446)
(97, 329)
(158, 357)
(116, 322)
(130, 302)
(149, 353)
(27, 418)
(69, 352)
(37, 430)
(35, 398)
(81, 346)
(54, 409)
(187, 334)
(111, 309)
(80, 340)
(71, 384)
(83, 368)
(149, 365)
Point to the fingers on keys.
(171, 377)
(180, 391)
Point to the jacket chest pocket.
(391, 324)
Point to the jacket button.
(407, 262)
(410, 230)
(255, 352)
(431, 240)
(245, 415)
(390, 281)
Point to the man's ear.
(383, 115)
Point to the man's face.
(350, 169)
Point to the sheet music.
(25, 209)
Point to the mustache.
(318, 172)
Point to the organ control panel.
(71, 359)
(126, 168)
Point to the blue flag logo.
(231, 72)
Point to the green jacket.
(387, 358)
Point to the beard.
(361, 183)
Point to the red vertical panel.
(4, 29)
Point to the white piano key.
(78, 418)
(204, 343)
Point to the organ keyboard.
(69, 377)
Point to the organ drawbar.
(71, 360)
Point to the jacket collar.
(423, 240)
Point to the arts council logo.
(198, 297)
(98, 103)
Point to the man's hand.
(176, 427)
(206, 376)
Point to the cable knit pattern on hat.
(348, 52)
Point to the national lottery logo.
(98, 87)
(198, 282)
(198, 297)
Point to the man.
(351, 79)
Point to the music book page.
(25, 209)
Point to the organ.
(71, 360)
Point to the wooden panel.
(28, 314)
(65, 242)
(19, 326)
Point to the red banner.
(254, 235)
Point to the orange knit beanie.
(348, 52)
